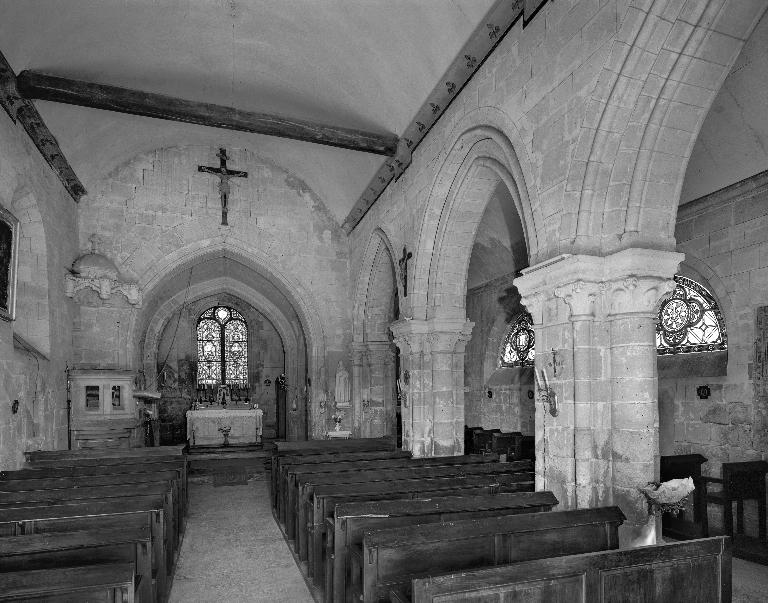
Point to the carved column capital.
(636, 294)
(580, 296)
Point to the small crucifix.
(224, 175)
(403, 263)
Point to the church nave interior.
(331, 300)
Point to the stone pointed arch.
(480, 160)
(150, 338)
(378, 244)
(664, 70)
(269, 267)
(32, 320)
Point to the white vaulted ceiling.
(366, 64)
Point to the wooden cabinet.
(104, 411)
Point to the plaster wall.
(34, 349)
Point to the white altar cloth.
(203, 426)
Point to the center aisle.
(233, 550)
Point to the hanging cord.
(175, 330)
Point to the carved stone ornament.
(97, 272)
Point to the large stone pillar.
(358, 387)
(594, 319)
(432, 376)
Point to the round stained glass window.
(690, 321)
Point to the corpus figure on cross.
(224, 175)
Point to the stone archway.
(374, 376)
(266, 267)
(643, 118)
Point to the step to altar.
(211, 460)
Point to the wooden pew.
(306, 486)
(278, 470)
(98, 515)
(71, 549)
(326, 497)
(102, 474)
(290, 462)
(295, 474)
(683, 572)
(390, 558)
(112, 464)
(345, 529)
(103, 487)
(35, 456)
(88, 583)
(316, 447)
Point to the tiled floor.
(233, 550)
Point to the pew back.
(683, 572)
(392, 557)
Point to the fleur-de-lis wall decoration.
(408, 142)
(494, 30)
(451, 87)
(390, 167)
(421, 126)
(382, 179)
(399, 164)
(435, 108)
(471, 61)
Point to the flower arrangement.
(337, 417)
(668, 497)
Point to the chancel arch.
(374, 362)
(254, 265)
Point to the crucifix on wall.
(403, 263)
(224, 175)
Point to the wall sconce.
(547, 395)
(703, 392)
(14, 407)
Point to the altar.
(208, 426)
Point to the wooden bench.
(277, 469)
(34, 456)
(98, 515)
(95, 466)
(390, 558)
(326, 497)
(113, 582)
(306, 486)
(28, 491)
(684, 572)
(345, 529)
(296, 474)
(71, 549)
(291, 464)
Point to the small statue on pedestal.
(259, 422)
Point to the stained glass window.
(690, 321)
(517, 349)
(222, 347)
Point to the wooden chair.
(740, 482)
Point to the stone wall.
(158, 209)
(491, 307)
(725, 238)
(34, 348)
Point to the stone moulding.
(105, 287)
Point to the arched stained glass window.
(690, 321)
(222, 347)
(517, 348)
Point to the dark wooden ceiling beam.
(33, 85)
(24, 112)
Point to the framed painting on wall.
(9, 259)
